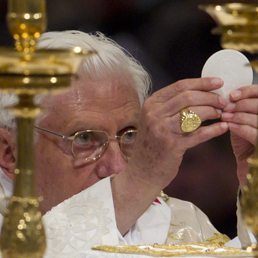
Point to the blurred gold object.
(249, 200)
(26, 21)
(238, 26)
(28, 72)
(172, 250)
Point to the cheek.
(51, 164)
(57, 174)
(46, 167)
(65, 147)
(52, 155)
(57, 179)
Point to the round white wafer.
(232, 67)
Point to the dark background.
(172, 39)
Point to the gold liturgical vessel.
(26, 72)
(238, 27)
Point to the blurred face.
(112, 106)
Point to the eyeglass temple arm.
(57, 134)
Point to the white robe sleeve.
(188, 223)
(152, 227)
(242, 232)
(244, 236)
(175, 222)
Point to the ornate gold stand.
(27, 73)
(238, 26)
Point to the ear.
(7, 156)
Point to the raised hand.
(161, 144)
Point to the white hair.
(7, 120)
(111, 59)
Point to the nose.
(111, 162)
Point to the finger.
(244, 131)
(244, 105)
(202, 84)
(240, 118)
(192, 98)
(205, 113)
(245, 92)
(205, 133)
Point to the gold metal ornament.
(189, 121)
(164, 196)
(237, 25)
(172, 250)
(249, 199)
(25, 73)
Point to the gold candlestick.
(26, 21)
(238, 26)
(27, 72)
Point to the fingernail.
(227, 115)
(222, 101)
(232, 125)
(219, 112)
(224, 125)
(216, 81)
(236, 94)
(230, 107)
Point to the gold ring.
(189, 121)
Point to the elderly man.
(99, 181)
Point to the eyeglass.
(91, 144)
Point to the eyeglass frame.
(71, 138)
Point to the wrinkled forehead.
(85, 89)
(93, 96)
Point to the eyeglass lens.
(91, 145)
(127, 143)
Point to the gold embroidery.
(219, 239)
(163, 196)
(174, 249)
(181, 224)
(171, 224)
(170, 235)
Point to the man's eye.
(83, 138)
(129, 137)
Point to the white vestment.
(244, 236)
(88, 219)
